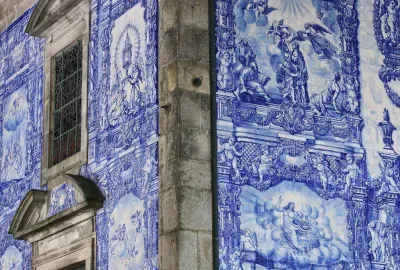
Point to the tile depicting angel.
(123, 123)
(294, 189)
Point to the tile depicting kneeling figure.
(294, 184)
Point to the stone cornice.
(30, 220)
(34, 202)
(53, 13)
(59, 222)
(10, 10)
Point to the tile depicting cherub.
(294, 188)
(386, 23)
(126, 234)
(123, 131)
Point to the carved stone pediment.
(32, 221)
(31, 211)
(48, 13)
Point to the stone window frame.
(75, 266)
(74, 25)
(63, 239)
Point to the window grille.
(66, 137)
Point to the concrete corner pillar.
(185, 196)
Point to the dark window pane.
(58, 96)
(72, 115)
(79, 54)
(76, 266)
(71, 63)
(79, 268)
(56, 151)
(72, 142)
(65, 92)
(72, 86)
(64, 146)
(78, 138)
(79, 111)
(78, 84)
(58, 69)
(67, 103)
(57, 124)
(64, 120)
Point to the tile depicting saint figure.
(294, 188)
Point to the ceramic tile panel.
(62, 198)
(123, 131)
(21, 88)
(123, 128)
(308, 175)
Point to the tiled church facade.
(122, 134)
(281, 113)
(308, 104)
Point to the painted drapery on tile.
(21, 88)
(297, 187)
(122, 126)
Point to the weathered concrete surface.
(185, 216)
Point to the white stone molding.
(61, 23)
(63, 239)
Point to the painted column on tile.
(123, 128)
(123, 131)
(296, 186)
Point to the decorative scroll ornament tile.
(62, 198)
(386, 26)
(294, 190)
(123, 123)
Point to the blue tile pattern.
(122, 126)
(123, 131)
(62, 198)
(295, 188)
(21, 88)
(386, 30)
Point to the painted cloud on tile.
(291, 223)
(11, 259)
(14, 141)
(126, 234)
(296, 190)
(123, 122)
